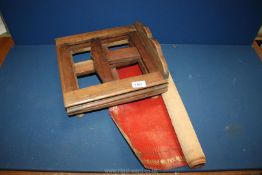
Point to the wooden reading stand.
(142, 50)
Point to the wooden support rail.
(141, 49)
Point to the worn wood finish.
(123, 57)
(87, 67)
(84, 68)
(104, 62)
(84, 37)
(108, 42)
(67, 74)
(6, 43)
(116, 59)
(122, 54)
(146, 58)
(110, 89)
(115, 74)
(100, 61)
(117, 100)
(153, 47)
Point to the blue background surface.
(220, 86)
(171, 21)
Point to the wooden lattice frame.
(143, 49)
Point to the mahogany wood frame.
(143, 49)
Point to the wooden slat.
(107, 42)
(67, 75)
(153, 48)
(84, 67)
(119, 99)
(145, 56)
(115, 74)
(75, 39)
(101, 64)
(110, 89)
(127, 56)
(140, 62)
(117, 58)
(87, 67)
(6, 43)
(142, 66)
(122, 53)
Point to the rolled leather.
(146, 126)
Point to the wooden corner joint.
(140, 48)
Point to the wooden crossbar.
(110, 49)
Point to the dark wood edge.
(66, 70)
(84, 95)
(117, 100)
(152, 47)
(83, 37)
